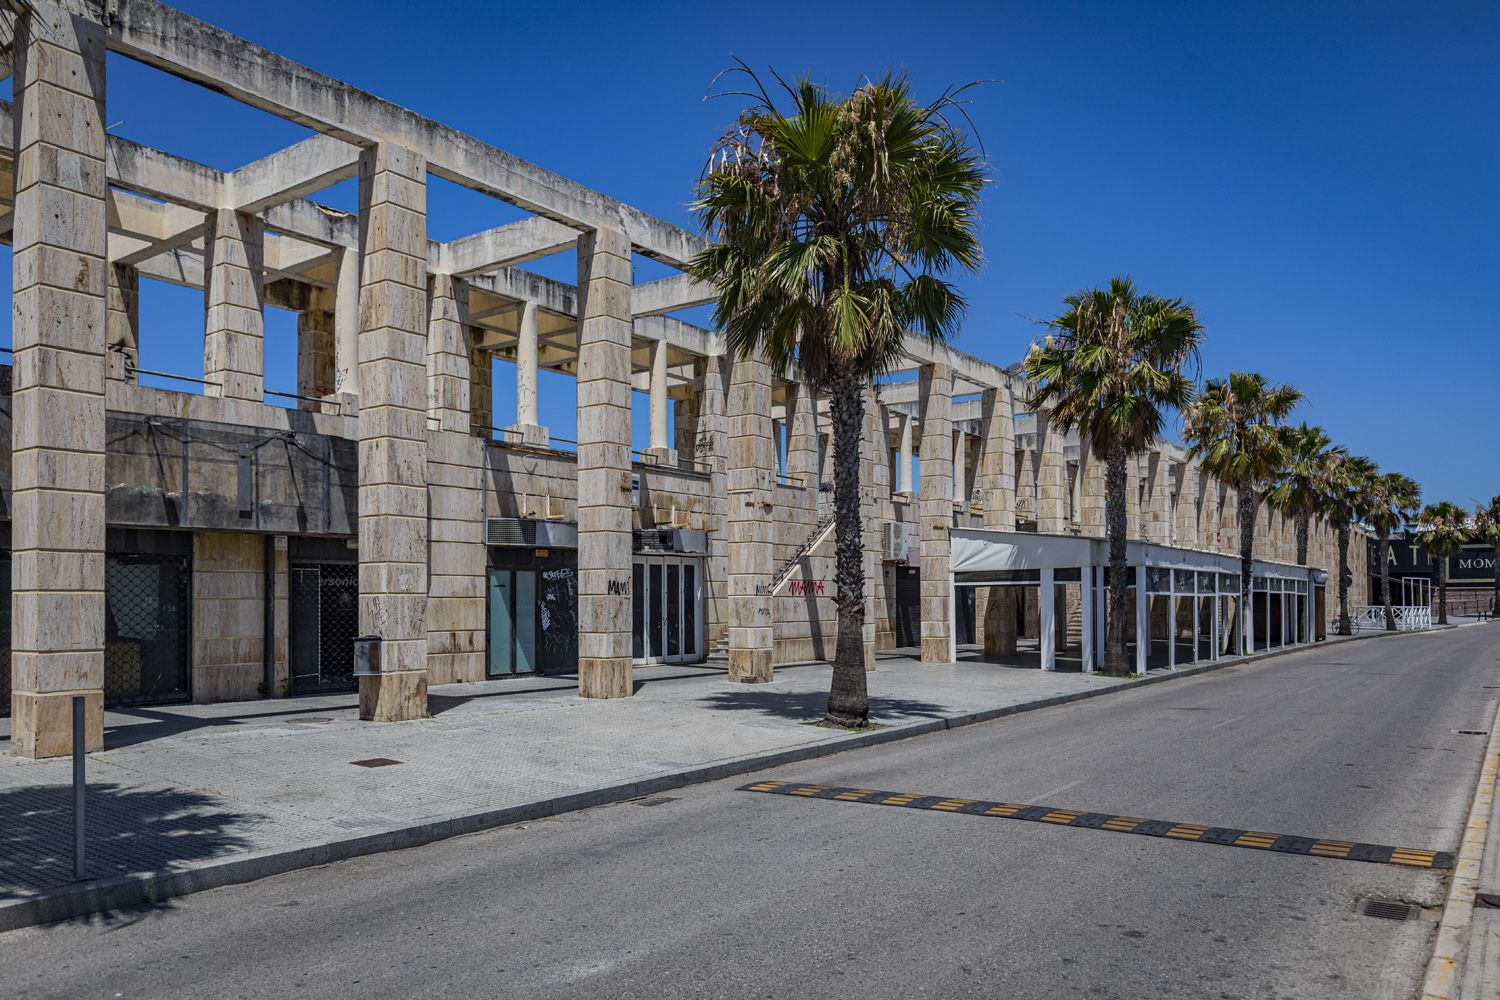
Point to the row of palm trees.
(835, 225)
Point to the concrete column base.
(399, 696)
(936, 649)
(42, 723)
(661, 456)
(533, 435)
(750, 666)
(869, 657)
(1000, 623)
(605, 677)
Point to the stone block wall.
(228, 638)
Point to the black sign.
(1474, 565)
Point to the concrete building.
(209, 543)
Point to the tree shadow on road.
(809, 706)
(128, 831)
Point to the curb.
(1441, 981)
(137, 888)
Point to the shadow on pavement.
(150, 724)
(809, 706)
(128, 831)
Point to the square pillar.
(1091, 493)
(710, 439)
(528, 427)
(661, 450)
(346, 322)
(234, 297)
(60, 368)
(961, 469)
(802, 439)
(448, 406)
(1142, 621)
(935, 511)
(316, 352)
(1047, 625)
(1051, 487)
(123, 322)
(393, 507)
(995, 480)
(605, 515)
(752, 525)
(1172, 625)
(1086, 612)
(1185, 508)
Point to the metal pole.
(78, 783)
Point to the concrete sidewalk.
(189, 797)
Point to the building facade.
(220, 542)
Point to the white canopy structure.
(1286, 592)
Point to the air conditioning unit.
(897, 540)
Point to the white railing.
(1409, 617)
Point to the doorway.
(666, 609)
(323, 623)
(511, 648)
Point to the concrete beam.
(516, 243)
(194, 50)
(665, 295)
(294, 172)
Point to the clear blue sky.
(1319, 179)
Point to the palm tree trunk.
(1344, 627)
(1441, 566)
(1304, 523)
(1249, 504)
(1115, 661)
(1384, 536)
(848, 696)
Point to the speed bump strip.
(1255, 840)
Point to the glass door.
(500, 649)
(665, 610)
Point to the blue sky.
(1319, 179)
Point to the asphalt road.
(714, 892)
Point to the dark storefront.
(532, 611)
(323, 613)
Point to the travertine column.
(903, 454)
(234, 296)
(346, 322)
(961, 468)
(751, 521)
(1135, 500)
(1160, 529)
(123, 323)
(710, 439)
(935, 511)
(528, 427)
(481, 387)
(1091, 493)
(393, 439)
(661, 443)
(315, 351)
(448, 354)
(802, 441)
(1185, 509)
(1051, 490)
(604, 493)
(995, 483)
(57, 436)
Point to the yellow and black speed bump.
(1255, 840)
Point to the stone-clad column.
(346, 322)
(528, 426)
(315, 351)
(1160, 527)
(903, 454)
(802, 440)
(1091, 492)
(661, 450)
(961, 468)
(1185, 508)
(751, 521)
(393, 439)
(604, 493)
(448, 354)
(995, 482)
(234, 296)
(123, 323)
(1051, 488)
(935, 511)
(60, 279)
(710, 439)
(481, 387)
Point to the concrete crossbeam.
(515, 243)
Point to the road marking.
(1255, 840)
(1060, 789)
(1226, 722)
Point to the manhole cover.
(316, 718)
(375, 762)
(1388, 909)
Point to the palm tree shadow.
(809, 706)
(128, 831)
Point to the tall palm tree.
(1394, 499)
(1445, 529)
(835, 222)
(1111, 366)
(1487, 527)
(1346, 490)
(1299, 491)
(1235, 426)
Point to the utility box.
(367, 656)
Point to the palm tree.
(835, 223)
(1346, 489)
(1300, 490)
(1235, 426)
(1445, 529)
(1487, 527)
(1111, 365)
(1394, 499)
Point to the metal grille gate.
(147, 611)
(324, 612)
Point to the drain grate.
(1388, 909)
(654, 800)
(1487, 899)
(375, 762)
(1472, 732)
